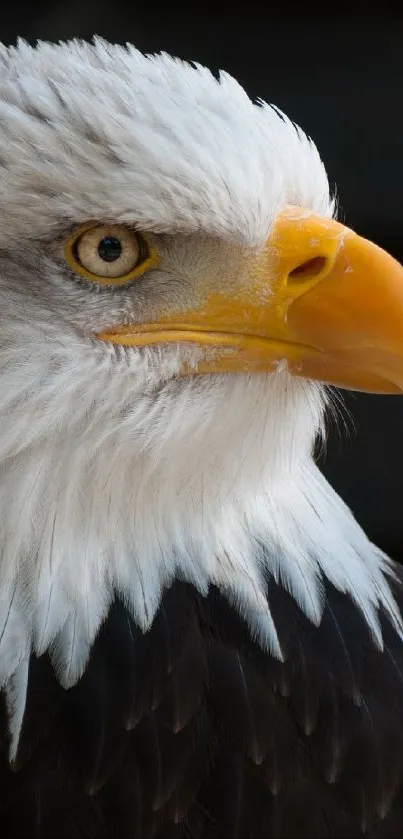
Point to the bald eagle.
(196, 637)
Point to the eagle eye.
(109, 254)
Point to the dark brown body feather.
(192, 731)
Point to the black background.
(341, 79)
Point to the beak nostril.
(308, 270)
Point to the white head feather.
(115, 475)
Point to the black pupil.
(110, 249)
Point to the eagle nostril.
(308, 270)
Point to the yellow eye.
(109, 254)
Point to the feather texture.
(186, 730)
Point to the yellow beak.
(318, 296)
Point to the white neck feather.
(110, 488)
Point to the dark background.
(341, 79)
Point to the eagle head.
(176, 296)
